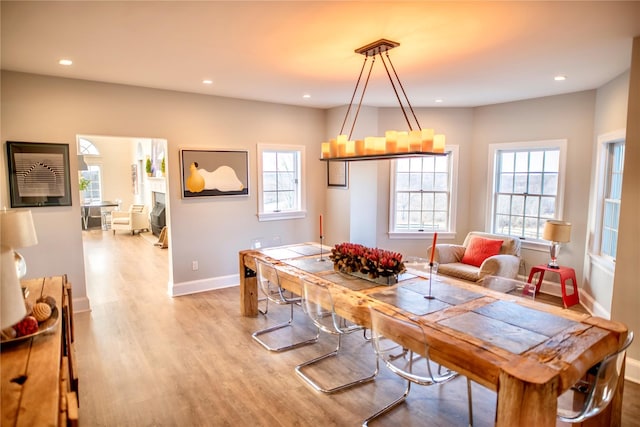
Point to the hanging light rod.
(411, 143)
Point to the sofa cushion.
(479, 249)
(460, 271)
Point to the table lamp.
(556, 232)
(17, 231)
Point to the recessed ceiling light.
(66, 62)
(306, 96)
(207, 82)
(438, 100)
(560, 78)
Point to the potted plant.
(162, 167)
(148, 167)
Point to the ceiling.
(464, 53)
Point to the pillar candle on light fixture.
(556, 232)
(438, 143)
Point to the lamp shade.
(17, 229)
(12, 304)
(557, 231)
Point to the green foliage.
(84, 183)
(162, 166)
(148, 165)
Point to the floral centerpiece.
(374, 262)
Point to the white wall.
(210, 230)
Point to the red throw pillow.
(480, 249)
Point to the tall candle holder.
(430, 296)
(321, 259)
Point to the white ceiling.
(467, 53)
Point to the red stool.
(566, 273)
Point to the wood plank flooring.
(146, 359)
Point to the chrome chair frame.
(271, 288)
(598, 392)
(390, 351)
(317, 303)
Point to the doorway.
(114, 174)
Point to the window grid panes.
(280, 181)
(613, 193)
(526, 191)
(423, 193)
(93, 193)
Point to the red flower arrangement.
(353, 257)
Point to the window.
(613, 168)
(527, 187)
(423, 195)
(93, 190)
(280, 182)
(86, 147)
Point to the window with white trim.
(423, 195)
(93, 190)
(280, 182)
(527, 187)
(612, 177)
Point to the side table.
(566, 274)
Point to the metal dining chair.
(317, 303)
(269, 284)
(510, 286)
(413, 367)
(591, 395)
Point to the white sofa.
(506, 263)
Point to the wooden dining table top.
(498, 340)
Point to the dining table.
(86, 210)
(528, 352)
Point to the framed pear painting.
(207, 173)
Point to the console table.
(39, 374)
(538, 353)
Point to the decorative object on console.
(13, 307)
(372, 262)
(411, 143)
(556, 232)
(18, 231)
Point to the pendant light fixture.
(414, 142)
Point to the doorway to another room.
(123, 198)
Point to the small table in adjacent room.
(566, 274)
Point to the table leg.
(526, 404)
(248, 290)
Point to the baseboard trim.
(81, 304)
(210, 284)
(632, 370)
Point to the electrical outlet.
(194, 265)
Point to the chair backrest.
(388, 333)
(268, 281)
(598, 390)
(317, 303)
(137, 208)
(510, 245)
(506, 285)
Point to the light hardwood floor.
(146, 359)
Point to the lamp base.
(555, 266)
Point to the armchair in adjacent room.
(480, 255)
(135, 219)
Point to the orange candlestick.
(321, 226)
(433, 247)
